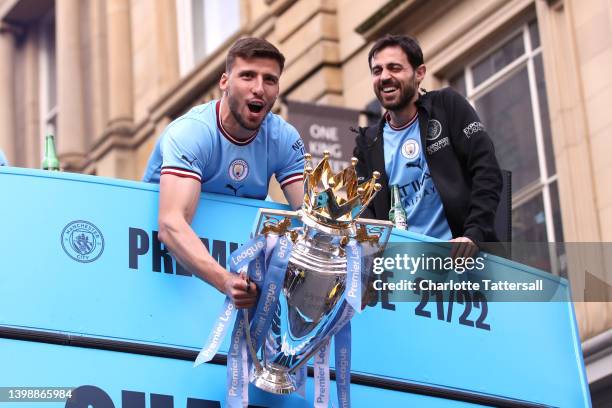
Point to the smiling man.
(231, 146)
(433, 146)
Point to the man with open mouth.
(228, 146)
(433, 146)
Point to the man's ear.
(420, 73)
(223, 81)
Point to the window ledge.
(24, 11)
(379, 22)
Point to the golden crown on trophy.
(336, 199)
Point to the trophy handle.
(376, 232)
(247, 331)
(273, 221)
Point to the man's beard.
(234, 106)
(407, 92)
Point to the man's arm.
(476, 149)
(294, 193)
(289, 164)
(178, 200)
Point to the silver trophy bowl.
(311, 300)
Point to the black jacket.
(461, 160)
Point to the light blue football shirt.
(196, 145)
(406, 167)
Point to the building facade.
(106, 76)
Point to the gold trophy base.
(274, 379)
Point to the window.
(48, 81)
(203, 25)
(506, 87)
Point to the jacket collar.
(424, 101)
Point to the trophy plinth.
(274, 379)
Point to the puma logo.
(418, 165)
(189, 161)
(234, 189)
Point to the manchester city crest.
(238, 170)
(410, 149)
(82, 241)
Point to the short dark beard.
(235, 111)
(406, 96)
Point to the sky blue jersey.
(196, 145)
(406, 167)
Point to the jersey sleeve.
(290, 167)
(185, 149)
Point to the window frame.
(526, 60)
(186, 32)
(545, 181)
(184, 25)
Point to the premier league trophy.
(310, 267)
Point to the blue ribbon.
(256, 272)
(342, 323)
(270, 290)
(246, 253)
(238, 259)
(353, 284)
(300, 380)
(342, 351)
(321, 376)
(237, 369)
(237, 358)
(216, 336)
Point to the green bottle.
(397, 214)
(50, 161)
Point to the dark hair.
(408, 44)
(251, 47)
